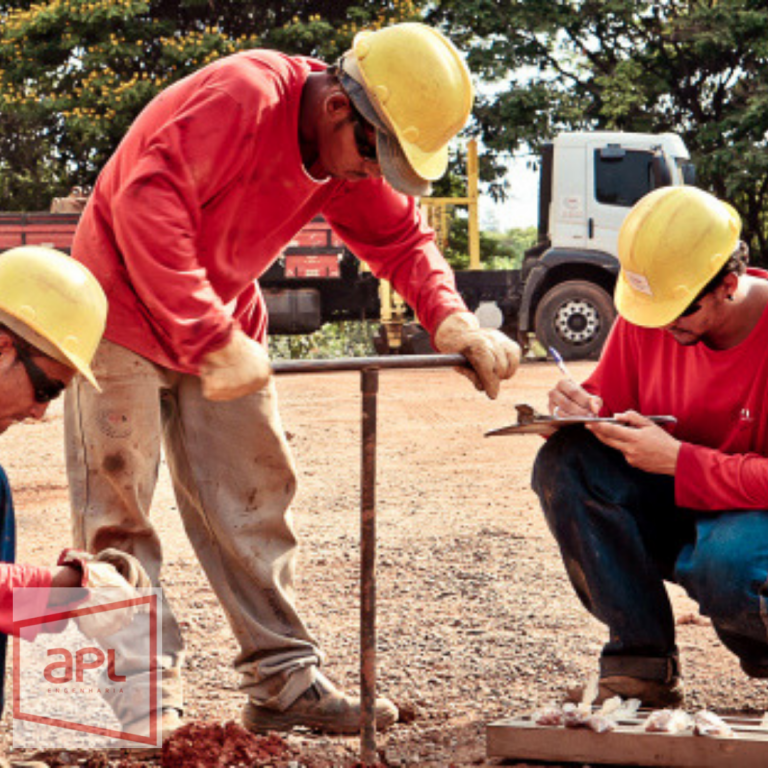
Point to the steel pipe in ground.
(369, 368)
(369, 386)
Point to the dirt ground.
(476, 620)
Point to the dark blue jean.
(621, 535)
(7, 555)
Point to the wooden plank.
(629, 744)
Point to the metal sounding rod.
(365, 363)
(369, 385)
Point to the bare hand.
(65, 579)
(569, 399)
(645, 445)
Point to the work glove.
(110, 577)
(238, 368)
(492, 354)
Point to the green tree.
(695, 67)
(498, 250)
(75, 73)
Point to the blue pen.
(560, 363)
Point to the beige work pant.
(233, 477)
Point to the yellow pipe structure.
(471, 201)
(474, 214)
(392, 314)
(392, 305)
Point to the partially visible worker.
(52, 315)
(635, 504)
(210, 184)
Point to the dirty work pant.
(233, 478)
(621, 536)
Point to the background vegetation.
(350, 338)
(74, 74)
(698, 68)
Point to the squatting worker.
(635, 504)
(52, 315)
(210, 184)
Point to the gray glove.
(238, 368)
(111, 577)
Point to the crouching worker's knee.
(560, 456)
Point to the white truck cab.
(597, 177)
(589, 182)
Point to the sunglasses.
(695, 305)
(741, 252)
(692, 308)
(45, 388)
(365, 137)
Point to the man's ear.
(6, 347)
(337, 105)
(729, 285)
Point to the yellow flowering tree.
(75, 73)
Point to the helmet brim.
(395, 164)
(33, 334)
(642, 310)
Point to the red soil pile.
(212, 745)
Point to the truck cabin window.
(622, 178)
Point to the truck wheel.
(574, 317)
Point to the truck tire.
(574, 317)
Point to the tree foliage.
(498, 250)
(695, 67)
(75, 73)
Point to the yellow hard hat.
(410, 82)
(54, 303)
(671, 244)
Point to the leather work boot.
(654, 694)
(321, 707)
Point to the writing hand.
(569, 399)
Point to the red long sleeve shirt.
(204, 193)
(14, 576)
(718, 397)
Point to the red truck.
(54, 230)
(316, 262)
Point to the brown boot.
(321, 707)
(652, 693)
(754, 670)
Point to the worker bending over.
(208, 187)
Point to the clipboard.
(546, 425)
